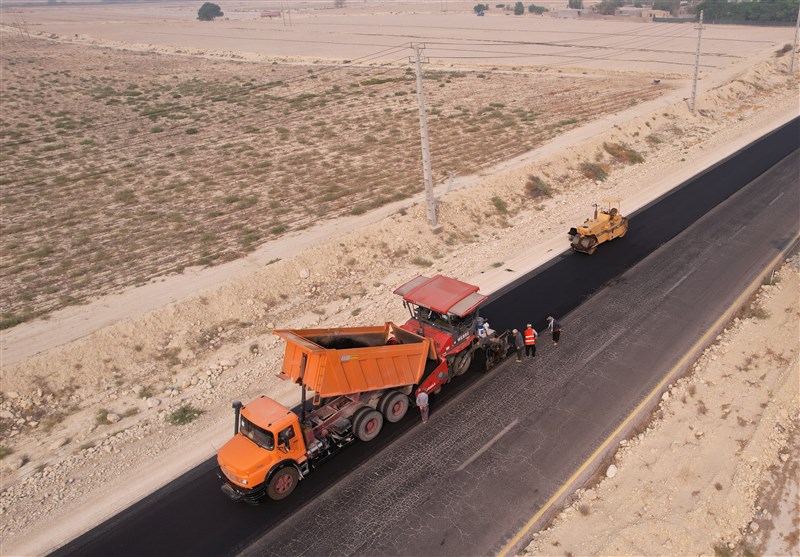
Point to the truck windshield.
(261, 437)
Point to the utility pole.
(433, 219)
(794, 46)
(696, 63)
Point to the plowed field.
(122, 166)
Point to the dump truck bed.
(342, 361)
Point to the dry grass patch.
(120, 167)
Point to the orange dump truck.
(359, 376)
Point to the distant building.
(641, 13)
(568, 13)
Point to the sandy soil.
(92, 408)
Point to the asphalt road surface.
(499, 445)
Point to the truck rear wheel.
(367, 425)
(395, 406)
(282, 483)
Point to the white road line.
(777, 198)
(605, 344)
(612, 339)
(674, 286)
(737, 231)
(487, 445)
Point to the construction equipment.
(606, 225)
(359, 376)
(446, 310)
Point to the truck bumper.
(231, 492)
(235, 493)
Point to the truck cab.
(267, 454)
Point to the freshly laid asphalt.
(499, 445)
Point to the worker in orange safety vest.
(530, 341)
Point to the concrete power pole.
(696, 63)
(433, 219)
(794, 46)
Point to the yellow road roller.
(607, 224)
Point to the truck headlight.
(233, 477)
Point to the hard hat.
(528, 325)
(515, 331)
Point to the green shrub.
(500, 205)
(8, 320)
(755, 311)
(536, 187)
(102, 417)
(184, 415)
(623, 153)
(209, 11)
(421, 262)
(594, 171)
(125, 196)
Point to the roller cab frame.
(445, 310)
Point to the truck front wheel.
(282, 483)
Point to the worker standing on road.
(555, 328)
(530, 341)
(519, 343)
(422, 402)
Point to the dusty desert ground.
(92, 387)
